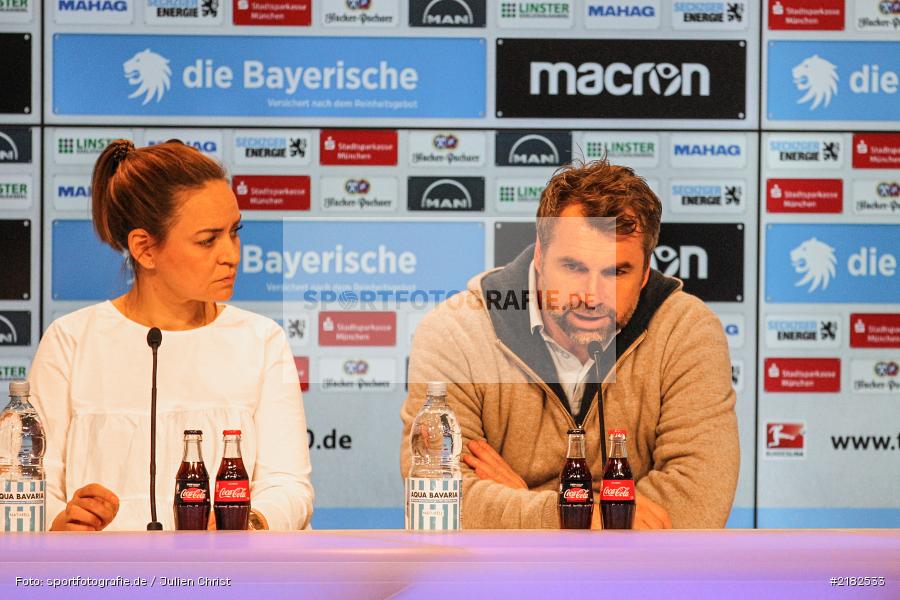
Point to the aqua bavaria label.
(433, 504)
(22, 505)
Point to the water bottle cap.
(19, 388)
(621, 432)
(436, 388)
(193, 432)
(232, 432)
(576, 431)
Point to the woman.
(171, 210)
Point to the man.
(513, 349)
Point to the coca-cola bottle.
(617, 489)
(232, 504)
(192, 502)
(576, 498)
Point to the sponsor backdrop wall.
(384, 151)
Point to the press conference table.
(462, 565)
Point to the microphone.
(154, 339)
(595, 349)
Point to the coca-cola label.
(233, 491)
(617, 490)
(574, 495)
(193, 494)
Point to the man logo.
(8, 335)
(446, 194)
(11, 152)
(357, 186)
(445, 142)
(818, 78)
(448, 12)
(150, 72)
(815, 260)
(533, 149)
(679, 261)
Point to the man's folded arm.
(696, 458)
(438, 354)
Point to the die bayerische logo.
(818, 78)
(150, 72)
(815, 260)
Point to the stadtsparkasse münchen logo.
(603, 78)
(150, 72)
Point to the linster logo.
(639, 79)
(524, 149)
(15, 192)
(15, 145)
(445, 193)
(703, 255)
(447, 13)
(15, 250)
(15, 328)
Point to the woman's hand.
(91, 508)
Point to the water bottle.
(434, 484)
(22, 482)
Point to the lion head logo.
(150, 72)
(818, 78)
(814, 260)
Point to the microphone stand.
(596, 350)
(154, 339)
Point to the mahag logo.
(533, 149)
(818, 78)
(815, 260)
(445, 141)
(357, 186)
(679, 261)
(150, 72)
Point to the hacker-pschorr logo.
(15, 328)
(355, 194)
(360, 13)
(447, 148)
(872, 15)
(876, 197)
(267, 147)
(710, 15)
(523, 149)
(798, 331)
(357, 374)
(703, 256)
(447, 13)
(445, 194)
(198, 12)
(616, 78)
(151, 73)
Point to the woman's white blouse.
(90, 383)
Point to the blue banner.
(832, 263)
(833, 81)
(83, 267)
(268, 76)
(313, 261)
(321, 261)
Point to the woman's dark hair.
(138, 188)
